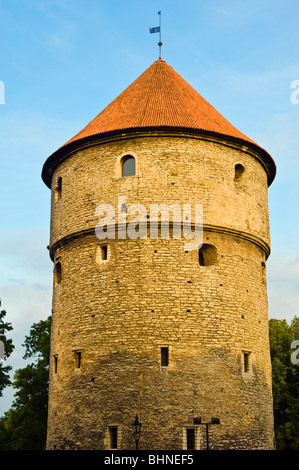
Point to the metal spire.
(157, 29)
(160, 32)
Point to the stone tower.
(143, 325)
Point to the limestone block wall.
(170, 170)
(111, 317)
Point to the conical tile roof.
(159, 98)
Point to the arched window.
(207, 255)
(239, 170)
(128, 166)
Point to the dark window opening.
(164, 357)
(58, 189)
(246, 361)
(55, 364)
(190, 439)
(128, 166)
(239, 170)
(207, 255)
(104, 252)
(113, 437)
(57, 273)
(78, 359)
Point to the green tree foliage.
(8, 348)
(285, 379)
(23, 427)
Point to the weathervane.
(157, 29)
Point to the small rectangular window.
(58, 189)
(246, 361)
(55, 363)
(113, 437)
(57, 273)
(190, 439)
(164, 357)
(78, 358)
(104, 252)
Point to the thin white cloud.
(64, 38)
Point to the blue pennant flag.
(154, 30)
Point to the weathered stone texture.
(152, 293)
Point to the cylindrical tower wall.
(113, 314)
(171, 170)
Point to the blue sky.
(63, 61)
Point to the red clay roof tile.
(159, 97)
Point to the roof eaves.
(69, 148)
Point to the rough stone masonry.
(144, 326)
